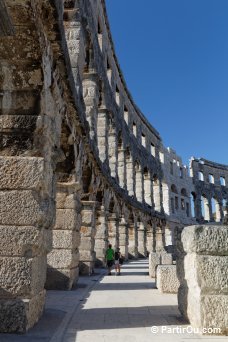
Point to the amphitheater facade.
(80, 165)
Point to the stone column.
(63, 260)
(112, 153)
(88, 229)
(133, 240)
(147, 190)
(142, 252)
(159, 240)
(102, 134)
(202, 267)
(130, 176)
(157, 194)
(198, 211)
(138, 185)
(91, 98)
(101, 238)
(121, 168)
(123, 238)
(113, 230)
(26, 218)
(150, 239)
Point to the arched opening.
(193, 204)
(205, 208)
(215, 208)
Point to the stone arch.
(112, 145)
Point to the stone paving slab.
(111, 308)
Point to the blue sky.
(174, 56)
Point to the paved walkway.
(111, 308)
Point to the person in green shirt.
(110, 254)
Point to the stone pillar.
(202, 268)
(157, 194)
(150, 239)
(159, 240)
(121, 168)
(101, 238)
(123, 238)
(102, 134)
(147, 189)
(218, 208)
(112, 153)
(133, 240)
(91, 98)
(63, 260)
(138, 184)
(142, 252)
(130, 175)
(88, 230)
(198, 211)
(113, 230)
(26, 218)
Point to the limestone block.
(61, 279)
(21, 173)
(87, 217)
(67, 201)
(66, 219)
(22, 208)
(63, 258)
(66, 239)
(86, 255)
(205, 240)
(166, 279)
(24, 241)
(87, 231)
(214, 312)
(19, 315)
(212, 274)
(166, 259)
(22, 277)
(154, 261)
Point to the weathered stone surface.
(20, 276)
(166, 279)
(17, 316)
(211, 240)
(21, 173)
(66, 239)
(24, 241)
(154, 261)
(203, 291)
(63, 258)
(22, 208)
(66, 219)
(61, 279)
(166, 259)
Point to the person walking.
(110, 258)
(118, 261)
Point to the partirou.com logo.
(184, 330)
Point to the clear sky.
(174, 57)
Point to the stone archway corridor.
(111, 308)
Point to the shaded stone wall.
(202, 267)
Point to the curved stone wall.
(80, 166)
